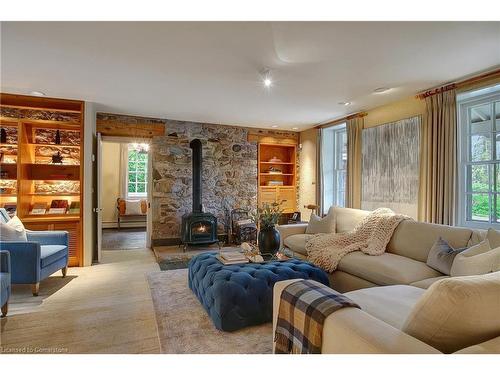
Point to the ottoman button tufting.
(231, 301)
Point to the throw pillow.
(321, 225)
(457, 312)
(493, 237)
(13, 230)
(441, 256)
(476, 260)
(133, 208)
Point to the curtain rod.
(459, 84)
(340, 120)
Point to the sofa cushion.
(493, 237)
(478, 235)
(297, 242)
(346, 219)
(476, 260)
(386, 269)
(441, 256)
(426, 283)
(321, 224)
(413, 239)
(457, 312)
(391, 304)
(52, 253)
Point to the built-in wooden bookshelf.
(41, 164)
(277, 175)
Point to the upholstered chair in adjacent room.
(32, 261)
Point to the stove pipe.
(197, 165)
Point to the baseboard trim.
(166, 242)
(114, 225)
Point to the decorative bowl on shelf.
(275, 159)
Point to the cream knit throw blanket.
(370, 236)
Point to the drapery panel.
(319, 173)
(353, 180)
(438, 160)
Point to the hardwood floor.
(106, 308)
(123, 239)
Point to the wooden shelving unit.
(37, 179)
(282, 158)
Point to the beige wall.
(110, 181)
(307, 171)
(399, 110)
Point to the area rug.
(175, 262)
(173, 258)
(184, 327)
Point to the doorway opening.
(123, 194)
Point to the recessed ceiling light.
(345, 103)
(295, 128)
(274, 126)
(266, 78)
(37, 93)
(381, 90)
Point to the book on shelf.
(7, 190)
(74, 207)
(275, 183)
(58, 206)
(39, 209)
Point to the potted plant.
(268, 216)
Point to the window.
(137, 170)
(479, 169)
(333, 165)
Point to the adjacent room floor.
(123, 239)
(106, 308)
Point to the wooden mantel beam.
(129, 126)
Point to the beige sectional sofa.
(455, 315)
(406, 306)
(404, 262)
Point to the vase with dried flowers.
(268, 216)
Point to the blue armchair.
(44, 253)
(4, 281)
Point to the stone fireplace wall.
(229, 177)
(229, 167)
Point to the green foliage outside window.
(480, 178)
(137, 172)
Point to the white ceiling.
(209, 71)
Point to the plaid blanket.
(304, 306)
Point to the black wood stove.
(198, 227)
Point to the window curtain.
(353, 180)
(438, 160)
(319, 173)
(123, 170)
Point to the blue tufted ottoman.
(238, 296)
